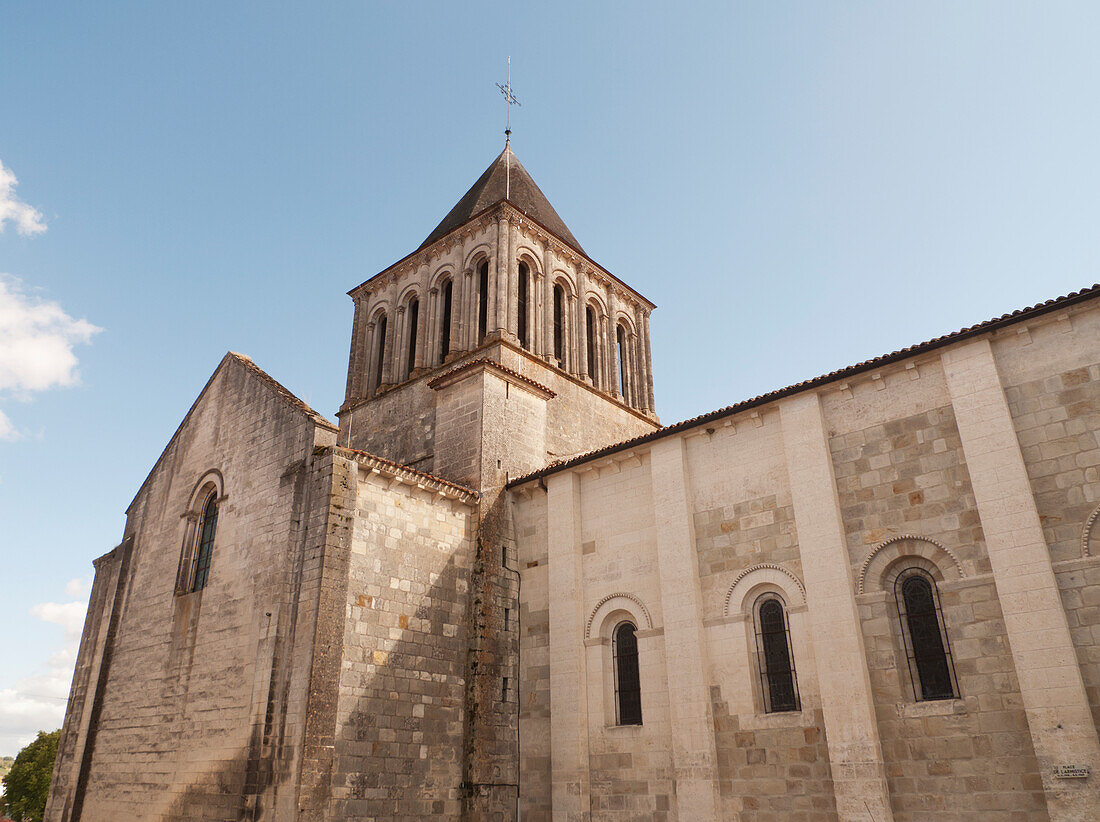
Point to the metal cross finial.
(510, 100)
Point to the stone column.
(500, 312)
(571, 333)
(582, 324)
(644, 378)
(613, 342)
(568, 706)
(513, 283)
(1053, 693)
(547, 351)
(648, 364)
(432, 332)
(855, 753)
(470, 311)
(694, 759)
(605, 359)
(397, 351)
(538, 286)
(370, 367)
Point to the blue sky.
(797, 186)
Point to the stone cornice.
(531, 227)
(405, 475)
(486, 364)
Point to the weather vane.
(510, 100)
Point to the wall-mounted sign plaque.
(1071, 771)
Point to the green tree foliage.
(28, 782)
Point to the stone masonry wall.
(399, 743)
(184, 725)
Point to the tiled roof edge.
(485, 361)
(289, 396)
(397, 467)
(867, 365)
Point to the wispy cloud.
(26, 219)
(37, 702)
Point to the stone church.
(498, 589)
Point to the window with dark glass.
(445, 324)
(559, 322)
(620, 336)
(414, 317)
(380, 359)
(926, 646)
(773, 646)
(590, 340)
(207, 527)
(521, 305)
(482, 301)
(628, 684)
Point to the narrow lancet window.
(590, 340)
(380, 359)
(927, 649)
(207, 527)
(628, 684)
(521, 305)
(414, 318)
(482, 301)
(773, 645)
(559, 323)
(445, 322)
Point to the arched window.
(773, 649)
(445, 323)
(414, 317)
(521, 305)
(482, 300)
(559, 323)
(628, 684)
(620, 337)
(926, 645)
(380, 350)
(590, 340)
(208, 525)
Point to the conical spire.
(492, 187)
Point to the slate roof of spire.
(491, 187)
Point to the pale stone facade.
(418, 613)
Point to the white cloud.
(26, 219)
(36, 340)
(7, 430)
(37, 702)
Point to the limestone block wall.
(400, 715)
(974, 463)
(188, 712)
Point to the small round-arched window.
(628, 685)
(773, 648)
(926, 646)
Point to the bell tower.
(494, 349)
(501, 286)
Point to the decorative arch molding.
(763, 573)
(445, 271)
(378, 309)
(565, 280)
(409, 293)
(619, 602)
(626, 322)
(1086, 535)
(527, 255)
(883, 555)
(211, 479)
(595, 300)
(480, 251)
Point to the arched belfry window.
(620, 338)
(208, 526)
(559, 323)
(380, 349)
(774, 657)
(926, 645)
(482, 300)
(628, 684)
(521, 305)
(414, 319)
(446, 294)
(590, 340)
